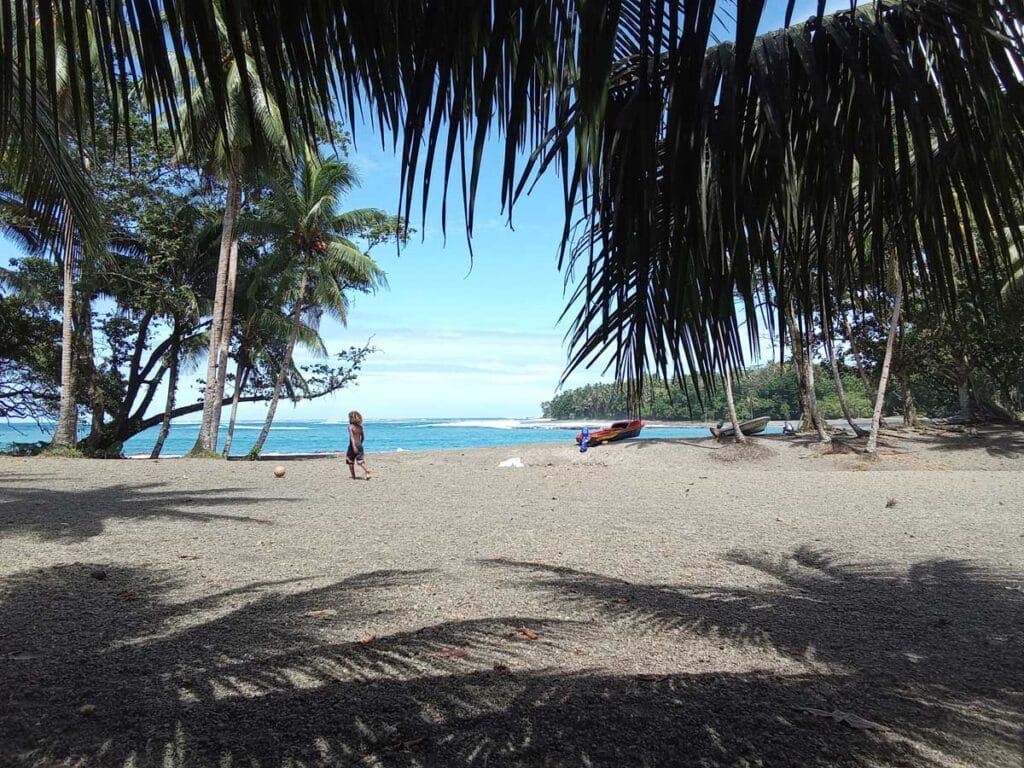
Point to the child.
(354, 454)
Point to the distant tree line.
(771, 390)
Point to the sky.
(457, 337)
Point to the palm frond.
(771, 170)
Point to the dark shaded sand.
(663, 603)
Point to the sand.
(661, 603)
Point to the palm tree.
(314, 252)
(896, 282)
(253, 133)
(727, 368)
(65, 435)
(50, 177)
(843, 120)
(263, 327)
(838, 379)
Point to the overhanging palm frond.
(439, 74)
(675, 151)
(20, 222)
(896, 125)
(49, 177)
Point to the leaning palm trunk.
(172, 388)
(213, 394)
(66, 433)
(241, 375)
(840, 391)
(868, 389)
(738, 435)
(805, 378)
(286, 364)
(883, 379)
(812, 400)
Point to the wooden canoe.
(748, 427)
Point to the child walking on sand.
(354, 454)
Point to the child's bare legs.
(363, 465)
(351, 468)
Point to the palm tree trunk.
(805, 377)
(858, 360)
(172, 388)
(213, 395)
(840, 391)
(66, 433)
(738, 436)
(812, 400)
(229, 311)
(883, 379)
(241, 375)
(286, 363)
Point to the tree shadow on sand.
(999, 442)
(75, 515)
(935, 653)
(114, 673)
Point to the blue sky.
(456, 338)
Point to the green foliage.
(977, 348)
(770, 390)
(29, 355)
(63, 453)
(197, 454)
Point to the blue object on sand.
(585, 441)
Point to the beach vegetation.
(867, 162)
(253, 136)
(770, 390)
(313, 254)
(61, 452)
(141, 307)
(29, 358)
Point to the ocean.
(385, 436)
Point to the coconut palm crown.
(314, 253)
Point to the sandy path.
(686, 600)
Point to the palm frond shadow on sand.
(116, 672)
(936, 653)
(71, 516)
(999, 442)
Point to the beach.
(661, 602)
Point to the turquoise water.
(381, 436)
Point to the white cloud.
(443, 372)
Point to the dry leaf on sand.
(326, 613)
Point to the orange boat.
(619, 430)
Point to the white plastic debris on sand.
(515, 461)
